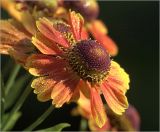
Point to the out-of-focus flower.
(69, 63)
(15, 40)
(15, 34)
(129, 121)
(27, 12)
(90, 10)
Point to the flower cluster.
(68, 64)
(129, 121)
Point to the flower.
(129, 121)
(15, 40)
(16, 33)
(69, 64)
(90, 10)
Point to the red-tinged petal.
(12, 37)
(76, 94)
(93, 126)
(39, 64)
(85, 105)
(98, 26)
(97, 108)
(43, 87)
(116, 100)
(46, 28)
(20, 57)
(63, 91)
(4, 49)
(103, 39)
(44, 45)
(28, 22)
(109, 44)
(84, 34)
(118, 78)
(84, 89)
(76, 22)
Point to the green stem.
(17, 106)
(40, 119)
(2, 97)
(83, 124)
(12, 78)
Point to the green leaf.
(13, 120)
(2, 94)
(6, 69)
(16, 90)
(11, 78)
(2, 99)
(16, 107)
(57, 128)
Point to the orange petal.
(45, 96)
(46, 28)
(20, 57)
(97, 108)
(76, 94)
(63, 91)
(116, 100)
(84, 103)
(28, 22)
(9, 6)
(84, 34)
(76, 22)
(93, 126)
(98, 26)
(43, 87)
(4, 49)
(84, 89)
(98, 31)
(44, 45)
(39, 64)
(109, 44)
(10, 37)
(118, 78)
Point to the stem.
(40, 119)
(83, 125)
(2, 98)
(17, 106)
(12, 78)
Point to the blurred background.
(135, 28)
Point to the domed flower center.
(90, 60)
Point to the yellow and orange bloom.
(15, 40)
(129, 121)
(27, 12)
(90, 11)
(16, 33)
(69, 64)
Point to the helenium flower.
(67, 65)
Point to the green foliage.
(13, 95)
(57, 128)
(13, 119)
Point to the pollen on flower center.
(90, 61)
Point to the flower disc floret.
(90, 61)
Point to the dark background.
(135, 28)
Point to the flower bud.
(88, 8)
